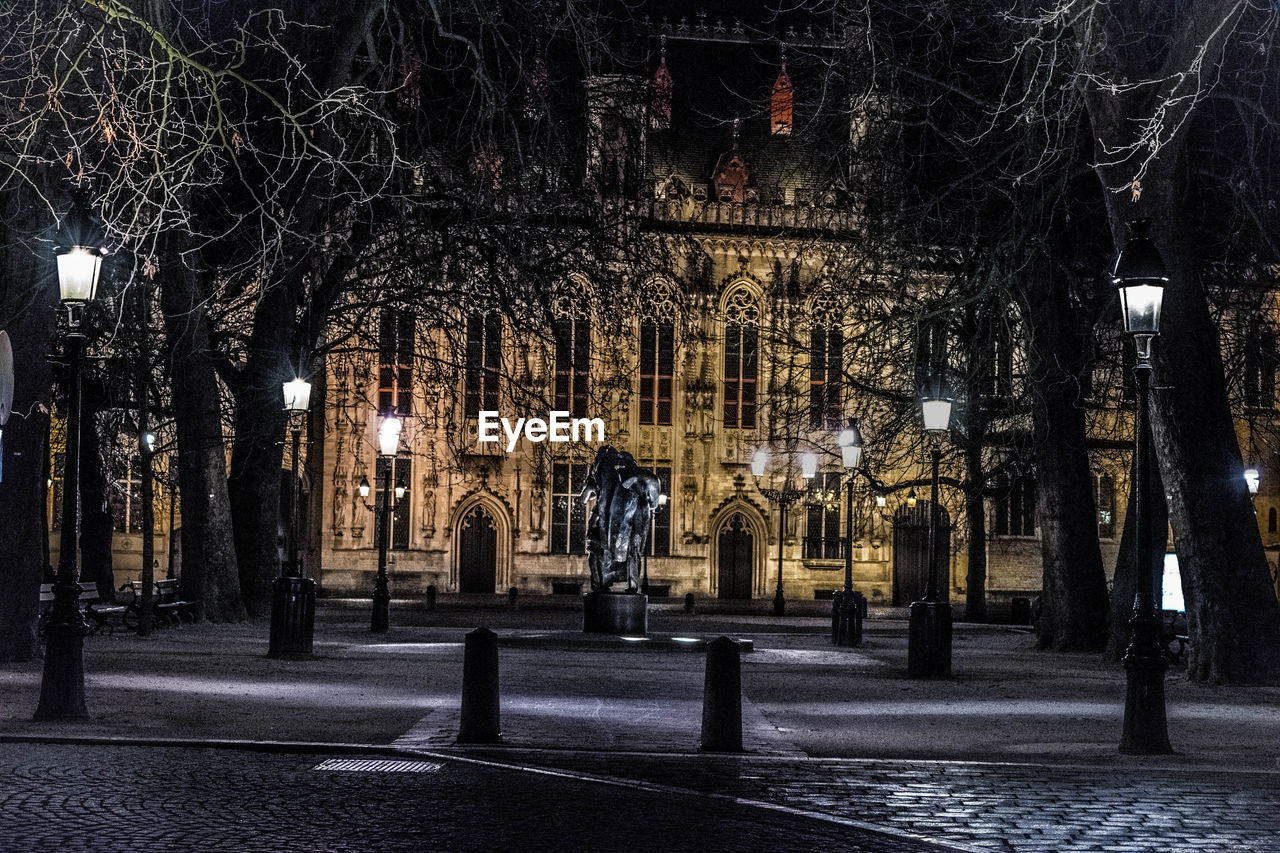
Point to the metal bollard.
(431, 597)
(513, 598)
(480, 721)
(688, 602)
(722, 698)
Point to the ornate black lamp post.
(62, 685)
(929, 631)
(388, 444)
(293, 596)
(846, 628)
(783, 497)
(1140, 276)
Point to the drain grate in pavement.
(377, 765)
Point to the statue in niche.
(618, 528)
(538, 512)
(429, 513)
(339, 508)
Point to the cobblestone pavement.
(161, 799)
(1007, 807)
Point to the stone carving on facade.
(358, 510)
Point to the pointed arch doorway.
(735, 560)
(911, 552)
(478, 552)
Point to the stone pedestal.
(615, 613)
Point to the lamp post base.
(293, 617)
(929, 640)
(846, 619)
(1146, 728)
(779, 604)
(381, 607)
(62, 685)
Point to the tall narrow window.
(657, 365)
(484, 354)
(402, 474)
(568, 514)
(826, 375)
(999, 381)
(395, 363)
(741, 358)
(1105, 498)
(660, 521)
(573, 364)
(1015, 508)
(1260, 370)
(126, 501)
(822, 537)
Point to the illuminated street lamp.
(1140, 276)
(929, 631)
(846, 627)
(1253, 480)
(388, 445)
(783, 497)
(293, 596)
(62, 684)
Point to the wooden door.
(478, 559)
(736, 558)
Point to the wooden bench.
(167, 605)
(99, 614)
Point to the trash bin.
(1020, 611)
(293, 616)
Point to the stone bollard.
(431, 597)
(688, 602)
(722, 698)
(480, 716)
(513, 598)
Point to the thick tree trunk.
(208, 553)
(1124, 583)
(1073, 600)
(258, 451)
(27, 313)
(1233, 616)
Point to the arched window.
(741, 358)
(657, 359)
